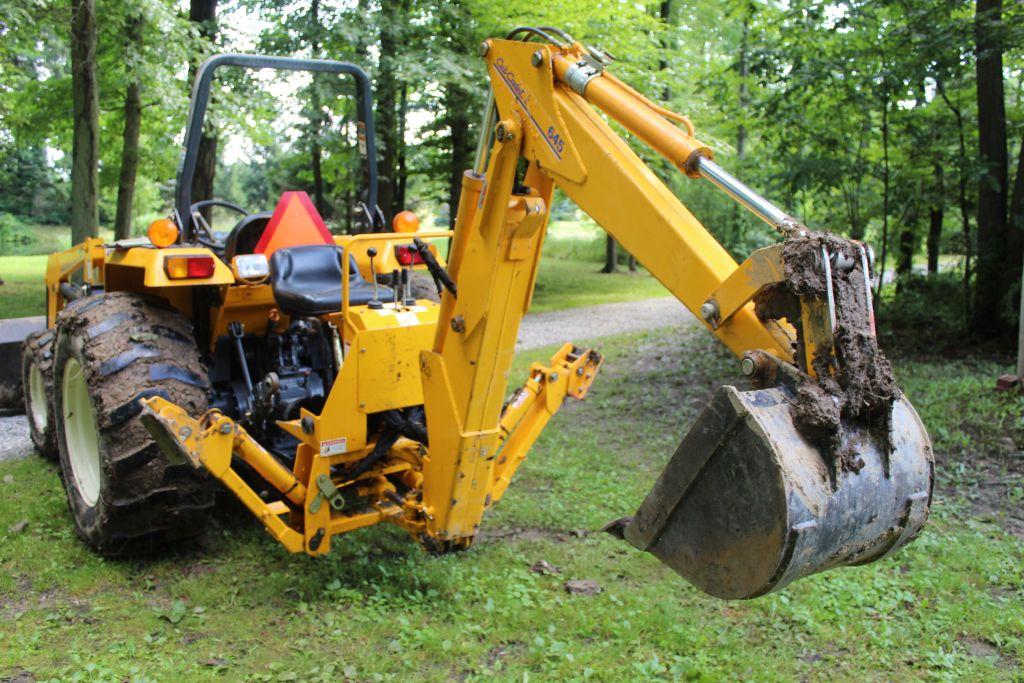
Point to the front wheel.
(112, 351)
(37, 385)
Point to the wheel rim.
(80, 434)
(37, 398)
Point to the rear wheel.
(37, 386)
(112, 351)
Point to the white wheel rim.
(37, 398)
(80, 434)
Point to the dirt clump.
(854, 381)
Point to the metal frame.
(201, 100)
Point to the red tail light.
(407, 255)
(200, 266)
(189, 267)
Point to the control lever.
(237, 331)
(376, 303)
(407, 287)
(396, 282)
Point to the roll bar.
(201, 98)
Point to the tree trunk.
(905, 264)
(85, 147)
(665, 14)
(885, 195)
(455, 103)
(316, 153)
(611, 255)
(204, 13)
(316, 118)
(965, 211)
(1016, 230)
(936, 215)
(132, 126)
(403, 174)
(316, 124)
(744, 96)
(990, 284)
(388, 126)
(1015, 225)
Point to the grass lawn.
(23, 292)
(238, 607)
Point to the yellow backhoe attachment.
(823, 464)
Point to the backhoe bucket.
(747, 504)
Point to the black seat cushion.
(306, 280)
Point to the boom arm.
(499, 232)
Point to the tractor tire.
(37, 388)
(113, 350)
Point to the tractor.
(307, 374)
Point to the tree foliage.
(861, 117)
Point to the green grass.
(23, 267)
(23, 292)
(950, 606)
(570, 277)
(571, 284)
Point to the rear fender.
(151, 263)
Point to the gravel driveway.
(592, 322)
(538, 329)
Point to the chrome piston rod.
(755, 203)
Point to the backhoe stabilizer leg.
(209, 444)
(569, 375)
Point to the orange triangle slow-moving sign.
(295, 222)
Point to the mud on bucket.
(747, 505)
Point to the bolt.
(747, 366)
(459, 323)
(225, 428)
(307, 425)
(502, 132)
(485, 47)
(579, 371)
(553, 377)
(709, 311)
(537, 59)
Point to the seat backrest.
(311, 264)
(246, 234)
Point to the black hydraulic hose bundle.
(407, 423)
(439, 274)
(385, 441)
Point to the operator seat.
(246, 234)
(306, 280)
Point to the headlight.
(250, 267)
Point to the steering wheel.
(202, 226)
